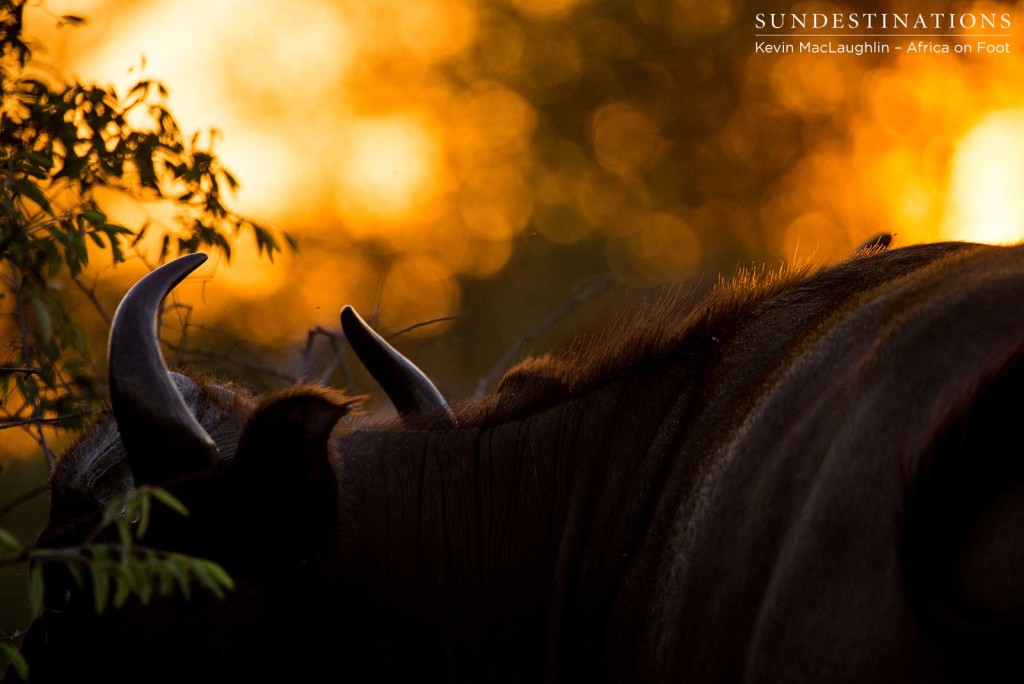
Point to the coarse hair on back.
(675, 322)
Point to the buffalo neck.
(491, 542)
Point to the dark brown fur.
(808, 477)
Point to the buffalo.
(809, 476)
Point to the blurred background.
(522, 168)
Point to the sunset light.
(987, 182)
(386, 167)
(430, 157)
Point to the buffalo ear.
(281, 479)
(286, 437)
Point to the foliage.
(116, 571)
(62, 145)
(60, 142)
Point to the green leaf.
(124, 532)
(113, 229)
(211, 577)
(144, 587)
(29, 189)
(100, 586)
(96, 218)
(143, 524)
(35, 589)
(112, 512)
(34, 171)
(124, 586)
(14, 657)
(8, 542)
(219, 575)
(76, 574)
(139, 235)
(97, 239)
(169, 500)
(162, 570)
(143, 570)
(179, 571)
(43, 322)
(41, 160)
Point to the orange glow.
(417, 289)
(812, 86)
(659, 248)
(927, 148)
(546, 9)
(387, 168)
(433, 30)
(987, 183)
(495, 204)
(242, 73)
(701, 17)
(249, 275)
(224, 55)
(413, 147)
(274, 171)
(623, 137)
(501, 117)
(811, 238)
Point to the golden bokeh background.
(482, 157)
(490, 158)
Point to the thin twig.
(40, 420)
(13, 637)
(422, 324)
(44, 445)
(334, 339)
(16, 228)
(13, 369)
(186, 322)
(307, 356)
(90, 293)
(227, 358)
(579, 296)
(339, 360)
(83, 553)
(26, 355)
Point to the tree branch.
(13, 637)
(227, 358)
(422, 324)
(90, 293)
(40, 420)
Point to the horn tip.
(195, 259)
(350, 317)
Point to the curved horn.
(409, 389)
(161, 437)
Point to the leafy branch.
(60, 142)
(126, 567)
(114, 572)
